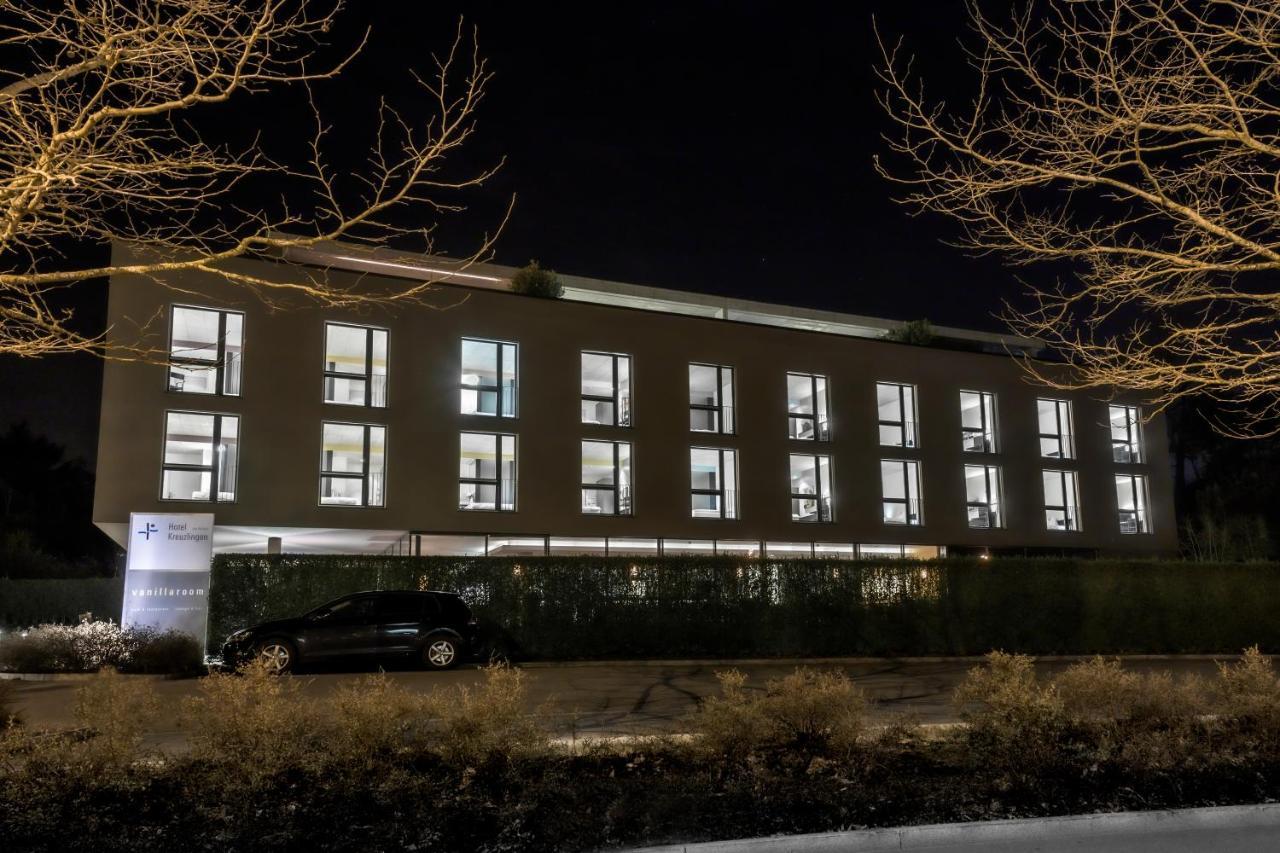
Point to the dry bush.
(1101, 691)
(89, 646)
(809, 712)
(253, 723)
(476, 726)
(372, 719)
(1013, 722)
(1248, 694)
(115, 710)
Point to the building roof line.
(383, 260)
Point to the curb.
(1080, 831)
(861, 660)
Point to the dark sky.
(721, 147)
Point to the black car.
(435, 628)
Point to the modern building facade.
(619, 419)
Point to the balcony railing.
(908, 512)
(1133, 521)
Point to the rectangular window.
(201, 457)
(711, 398)
(355, 365)
(606, 389)
(713, 482)
(983, 496)
(1131, 500)
(1126, 437)
(896, 408)
(205, 348)
(812, 498)
(1055, 429)
(487, 472)
(978, 421)
(489, 381)
(1061, 501)
(606, 477)
(353, 464)
(807, 407)
(900, 487)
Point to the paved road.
(613, 698)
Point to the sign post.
(166, 576)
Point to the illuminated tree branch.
(1136, 142)
(94, 147)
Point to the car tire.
(277, 654)
(440, 652)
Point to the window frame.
(821, 430)
(991, 475)
(617, 398)
(986, 427)
(906, 426)
(907, 491)
(212, 469)
(365, 474)
(496, 389)
(218, 364)
(367, 377)
(616, 488)
(1135, 450)
(1065, 437)
(1069, 510)
(718, 408)
(826, 502)
(1141, 515)
(721, 492)
(496, 482)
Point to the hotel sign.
(166, 579)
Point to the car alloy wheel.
(275, 656)
(441, 654)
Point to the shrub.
(533, 280)
(8, 714)
(805, 714)
(1101, 691)
(1013, 723)
(39, 600)
(487, 724)
(115, 711)
(374, 718)
(88, 646)
(1249, 696)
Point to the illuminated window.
(355, 365)
(353, 464)
(982, 496)
(606, 389)
(812, 498)
(1131, 500)
(713, 482)
(978, 421)
(711, 398)
(1126, 437)
(201, 455)
(900, 488)
(1055, 429)
(1061, 500)
(606, 477)
(205, 348)
(807, 407)
(487, 472)
(489, 381)
(896, 408)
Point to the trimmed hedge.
(36, 601)
(683, 607)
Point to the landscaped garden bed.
(380, 768)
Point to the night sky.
(718, 147)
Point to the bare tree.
(1137, 144)
(95, 145)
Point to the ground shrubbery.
(376, 767)
(89, 646)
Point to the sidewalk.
(1230, 829)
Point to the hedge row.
(680, 607)
(32, 601)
